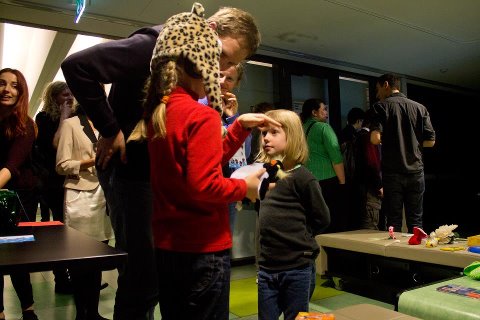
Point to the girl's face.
(8, 89)
(64, 96)
(321, 114)
(274, 141)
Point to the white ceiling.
(426, 40)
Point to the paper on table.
(15, 239)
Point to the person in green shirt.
(325, 160)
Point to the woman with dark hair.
(17, 134)
(325, 160)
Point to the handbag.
(9, 211)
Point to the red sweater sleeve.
(236, 136)
(204, 158)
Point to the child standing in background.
(290, 216)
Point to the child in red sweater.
(190, 195)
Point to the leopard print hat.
(188, 35)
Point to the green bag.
(473, 270)
(9, 212)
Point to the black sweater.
(290, 217)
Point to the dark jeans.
(286, 292)
(130, 208)
(194, 285)
(403, 190)
(23, 287)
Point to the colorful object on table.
(445, 233)
(16, 239)
(473, 270)
(452, 248)
(474, 249)
(315, 315)
(460, 290)
(431, 241)
(391, 233)
(473, 241)
(418, 235)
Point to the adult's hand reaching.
(107, 147)
(253, 182)
(259, 120)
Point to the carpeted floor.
(244, 295)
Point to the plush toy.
(444, 233)
(391, 233)
(418, 235)
(275, 172)
(431, 241)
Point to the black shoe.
(29, 315)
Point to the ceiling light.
(79, 10)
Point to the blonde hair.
(236, 23)
(49, 96)
(158, 87)
(296, 151)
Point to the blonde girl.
(290, 216)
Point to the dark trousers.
(23, 287)
(129, 203)
(403, 190)
(335, 197)
(86, 292)
(194, 285)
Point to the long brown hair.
(16, 123)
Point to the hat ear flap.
(198, 9)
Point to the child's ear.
(212, 25)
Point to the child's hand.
(251, 120)
(253, 181)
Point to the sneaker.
(29, 315)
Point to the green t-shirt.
(323, 148)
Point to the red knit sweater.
(190, 194)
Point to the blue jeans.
(401, 190)
(130, 208)
(284, 291)
(194, 285)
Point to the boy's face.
(233, 52)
